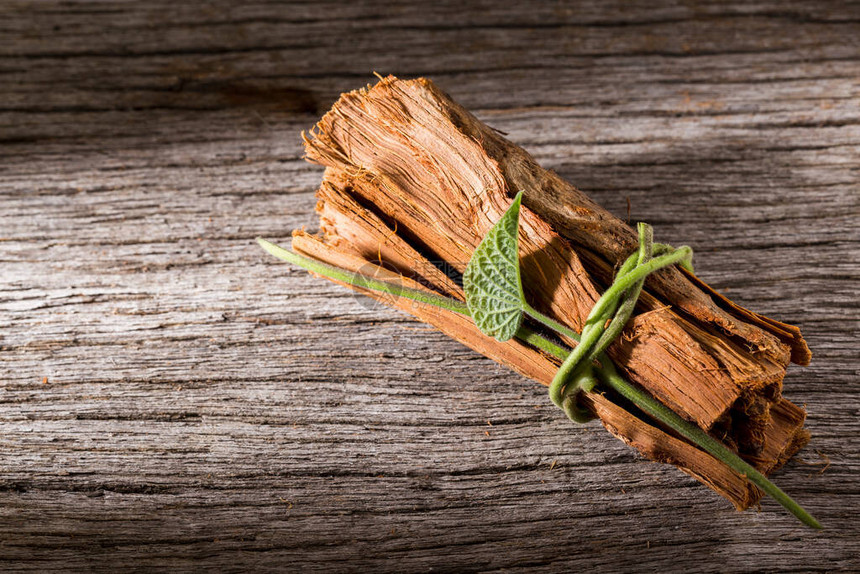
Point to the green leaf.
(491, 281)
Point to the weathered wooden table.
(174, 399)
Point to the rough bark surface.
(354, 237)
(440, 179)
(173, 398)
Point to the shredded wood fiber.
(414, 181)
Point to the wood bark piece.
(438, 176)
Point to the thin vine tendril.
(607, 319)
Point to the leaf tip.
(518, 200)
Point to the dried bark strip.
(432, 171)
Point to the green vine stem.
(606, 370)
(363, 281)
(614, 306)
(700, 438)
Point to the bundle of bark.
(412, 184)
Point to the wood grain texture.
(208, 407)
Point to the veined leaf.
(491, 281)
